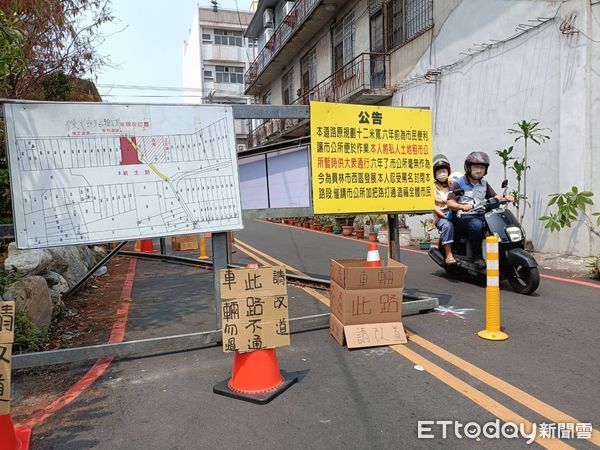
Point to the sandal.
(450, 260)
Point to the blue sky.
(148, 51)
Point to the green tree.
(528, 131)
(505, 157)
(569, 207)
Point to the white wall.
(542, 75)
(191, 64)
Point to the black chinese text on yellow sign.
(370, 158)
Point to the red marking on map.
(129, 155)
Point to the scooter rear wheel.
(524, 280)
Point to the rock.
(102, 270)
(99, 253)
(69, 262)
(57, 302)
(31, 298)
(27, 262)
(88, 256)
(56, 282)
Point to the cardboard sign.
(254, 309)
(7, 322)
(370, 158)
(352, 274)
(355, 307)
(367, 335)
(5, 358)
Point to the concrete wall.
(542, 74)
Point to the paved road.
(546, 371)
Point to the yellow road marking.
(251, 255)
(483, 400)
(264, 255)
(473, 394)
(151, 166)
(511, 391)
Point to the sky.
(148, 51)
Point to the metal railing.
(288, 26)
(368, 72)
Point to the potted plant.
(359, 228)
(373, 236)
(328, 225)
(347, 230)
(337, 227)
(368, 224)
(306, 223)
(425, 241)
(316, 224)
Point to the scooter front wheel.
(523, 279)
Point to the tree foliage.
(570, 207)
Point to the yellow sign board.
(370, 158)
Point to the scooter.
(517, 266)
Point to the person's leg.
(446, 229)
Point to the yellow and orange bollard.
(492, 293)
(202, 247)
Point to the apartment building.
(480, 65)
(216, 55)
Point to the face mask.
(477, 172)
(441, 175)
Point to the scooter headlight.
(514, 234)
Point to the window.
(252, 42)
(308, 73)
(407, 19)
(206, 38)
(287, 88)
(227, 74)
(228, 37)
(208, 74)
(343, 44)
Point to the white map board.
(87, 173)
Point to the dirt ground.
(86, 320)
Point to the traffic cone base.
(13, 439)
(147, 246)
(256, 378)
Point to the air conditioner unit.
(287, 8)
(241, 147)
(268, 18)
(268, 34)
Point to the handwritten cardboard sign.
(355, 307)
(7, 322)
(5, 358)
(254, 309)
(367, 335)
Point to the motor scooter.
(517, 266)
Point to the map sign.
(87, 173)
(370, 159)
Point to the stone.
(32, 298)
(69, 262)
(27, 262)
(57, 302)
(102, 270)
(99, 253)
(56, 282)
(87, 255)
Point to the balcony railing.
(364, 80)
(288, 26)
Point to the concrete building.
(480, 65)
(215, 56)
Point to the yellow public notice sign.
(370, 158)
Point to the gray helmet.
(440, 161)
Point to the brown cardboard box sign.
(353, 274)
(360, 306)
(367, 335)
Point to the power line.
(148, 88)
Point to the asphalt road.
(547, 371)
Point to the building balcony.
(365, 81)
(305, 20)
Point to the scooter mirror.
(504, 184)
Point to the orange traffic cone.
(13, 439)
(256, 377)
(138, 246)
(373, 259)
(147, 246)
